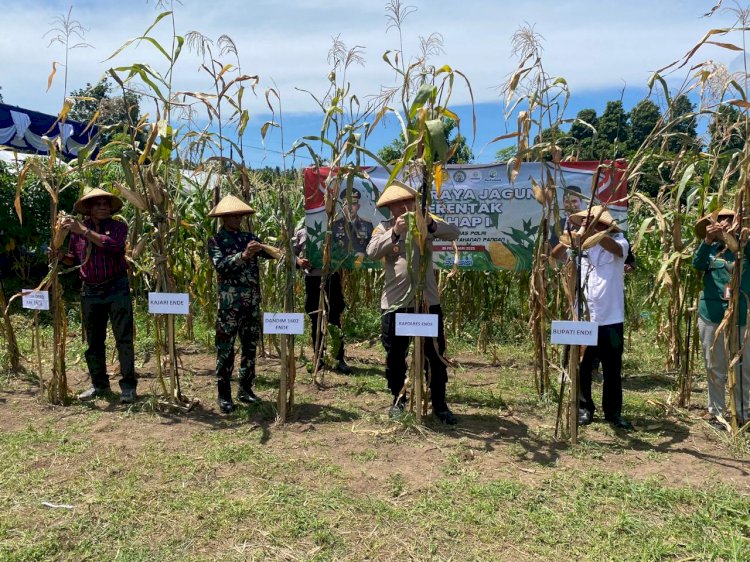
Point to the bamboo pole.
(38, 345)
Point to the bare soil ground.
(348, 414)
(339, 431)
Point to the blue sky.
(605, 49)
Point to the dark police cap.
(356, 195)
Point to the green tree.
(728, 130)
(580, 129)
(643, 118)
(463, 155)
(613, 132)
(113, 110)
(505, 154)
(1, 95)
(683, 121)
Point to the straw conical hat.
(396, 191)
(596, 211)
(231, 205)
(700, 226)
(81, 206)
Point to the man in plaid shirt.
(97, 244)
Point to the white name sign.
(35, 300)
(425, 325)
(169, 303)
(574, 333)
(283, 323)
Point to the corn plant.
(420, 105)
(340, 146)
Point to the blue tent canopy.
(23, 129)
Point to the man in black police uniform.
(351, 232)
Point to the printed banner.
(498, 219)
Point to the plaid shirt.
(107, 262)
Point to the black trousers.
(336, 305)
(109, 302)
(609, 350)
(397, 348)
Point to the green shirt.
(717, 263)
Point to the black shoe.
(584, 417)
(94, 392)
(127, 396)
(446, 417)
(247, 396)
(226, 406)
(343, 368)
(618, 422)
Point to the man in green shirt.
(714, 256)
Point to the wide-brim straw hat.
(597, 212)
(81, 206)
(396, 191)
(703, 222)
(231, 205)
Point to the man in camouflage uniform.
(234, 254)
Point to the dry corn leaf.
(730, 241)
(272, 251)
(133, 197)
(593, 240)
(538, 192)
(138, 248)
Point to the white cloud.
(593, 44)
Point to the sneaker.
(584, 417)
(127, 396)
(343, 368)
(619, 422)
(247, 396)
(446, 417)
(226, 406)
(94, 392)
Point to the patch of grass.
(368, 455)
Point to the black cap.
(355, 194)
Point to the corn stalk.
(423, 93)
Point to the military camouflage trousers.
(239, 314)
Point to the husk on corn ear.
(133, 197)
(272, 251)
(60, 233)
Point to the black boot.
(225, 397)
(247, 396)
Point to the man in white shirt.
(603, 281)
